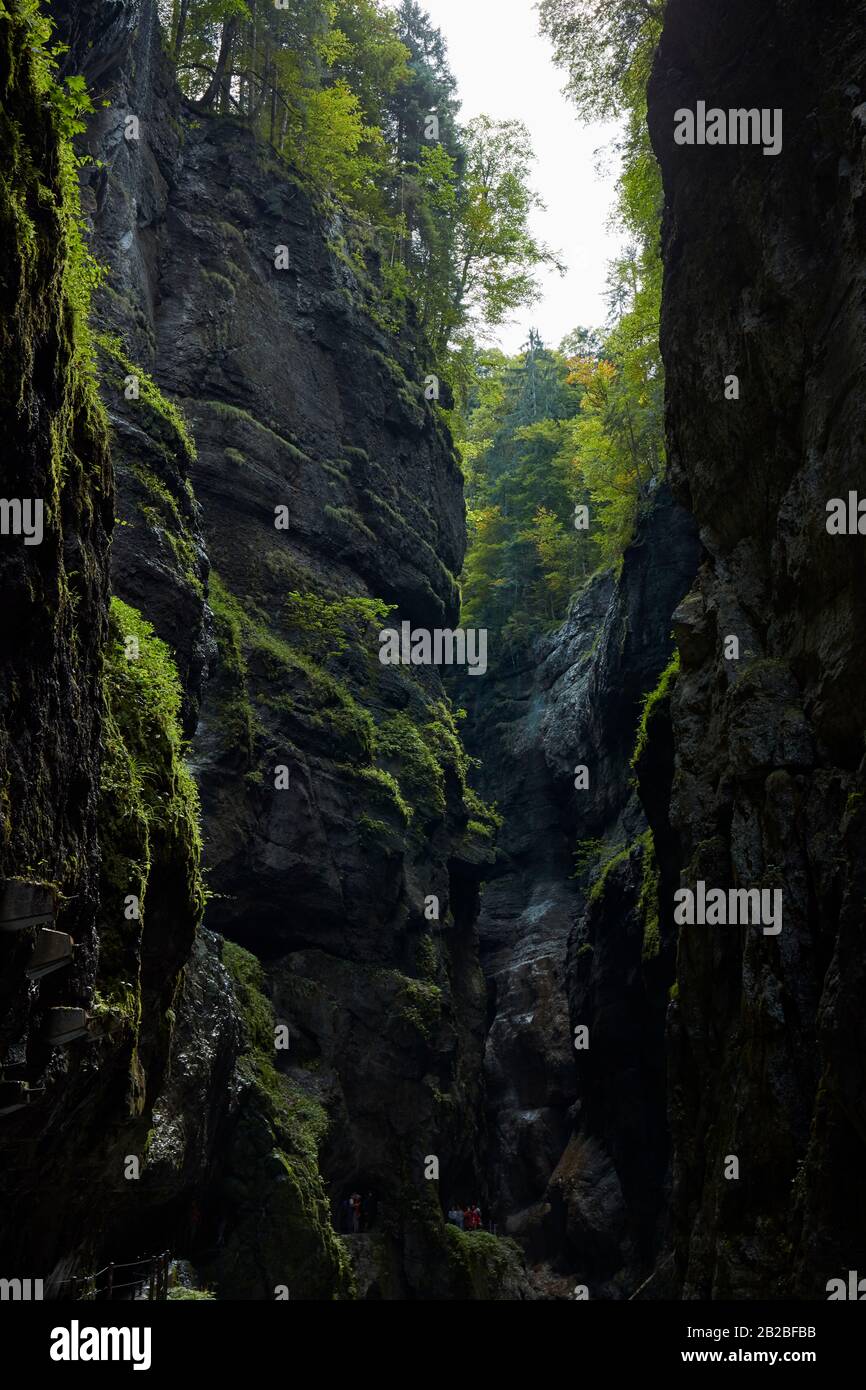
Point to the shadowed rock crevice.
(577, 1138)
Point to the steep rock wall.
(766, 1038)
(577, 1138)
(297, 396)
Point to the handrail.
(154, 1273)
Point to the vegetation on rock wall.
(412, 760)
(55, 450)
(273, 1163)
(149, 808)
(358, 97)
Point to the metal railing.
(152, 1275)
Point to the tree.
(602, 44)
(498, 254)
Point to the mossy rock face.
(158, 557)
(279, 1232)
(93, 794)
(276, 382)
(152, 896)
(485, 1267)
(656, 705)
(55, 456)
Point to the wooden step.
(26, 904)
(64, 1025)
(53, 950)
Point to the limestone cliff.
(342, 844)
(766, 1036)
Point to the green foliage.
(532, 452)
(497, 254)
(326, 628)
(41, 218)
(601, 44)
(652, 701)
(610, 860)
(275, 1169)
(148, 807)
(345, 90)
(525, 557)
(481, 1264)
(152, 399)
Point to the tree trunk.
(218, 90)
(179, 18)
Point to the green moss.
(419, 1003)
(382, 786)
(329, 704)
(148, 808)
(190, 1295)
(477, 827)
(373, 829)
(599, 887)
(235, 415)
(485, 818)
(607, 859)
(481, 1265)
(651, 706)
(295, 1240)
(47, 282)
(422, 778)
(164, 516)
(648, 901)
(426, 958)
(222, 288)
(238, 724)
(344, 516)
(163, 419)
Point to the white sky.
(505, 69)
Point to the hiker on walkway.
(356, 1213)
